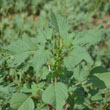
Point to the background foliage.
(43, 69)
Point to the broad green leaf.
(105, 77)
(60, 24)
(43, 73)
(40, 58)
(27, 105)
(80, 74)
(98, 69)
(21, 49)
(20, 101)
(96, 82)
(88, 37)
(76, 56)
(100, 80)
(56, 95)
(4, 90)
(44, 35)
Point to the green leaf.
(67, 42)
(21, 49)
(105, 77)
(27, 105)
(43, 73)
(44, 35)
(21, 101)
(37, 88)
(97, 82)
(56, 95)
(100, 80)
(98, 69)
(53, 22)
(60, 24)
(40, 58)
(26, 89)
(76, 56)
(80, 74)
(96, 97)
(88, 37)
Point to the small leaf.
(96, 97)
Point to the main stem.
(58, 58)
